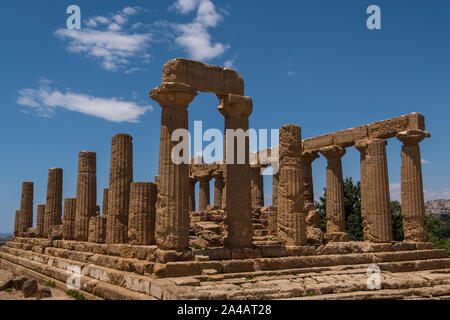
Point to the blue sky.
(312, 63)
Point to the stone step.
(261, 232)
(94, 280)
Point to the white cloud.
(291, 73)
(46, 99)
(395, 191)
(107, 39)
(229, 64)
(194, 36)
(443, 194)
(424, 161)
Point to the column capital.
(310, 156)
(192, 179)
(232, 105)
(332, 152)
(361, 145)
(218, 174)
(173, 93)
(203, 177)
(412, 136)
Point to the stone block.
(315, 143)
(388, 128)
(348, 137)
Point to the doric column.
(291, 208)
(120, 178)
(256, 186)
(335, 194)
(141, 220)
(97, 229)
(53, 206)
(69, 218)
(40, 220)
(192, 182)
(26, 204)
(375, 199)
(275, 179)
(203, 194)
(413, 210)
(172, 209)
(86, 194)
(218, 188)
(236, 110)
(312, 215)
(105, 202)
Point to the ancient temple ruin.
(151, 242)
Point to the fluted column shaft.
(275, 180)
(86, 200)
(413, 210)
(218, 189)
(236, 110)
(120, 178)
(105, 202)
(40, 220)
(26, 204)
(69, 218)
(335, 191)
(142, 213)
(203, 195)
(53, 206)
(375, 199)
(291, 208)
(256, 186)
(172, 209)
(192, 182)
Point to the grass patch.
(75, 294)
(8, 290)
(50, 284)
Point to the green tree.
(397, 221)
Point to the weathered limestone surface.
(192, 182)
(291, 207)
(20, 223)
(375, 199)
(239, 230)
(86, 194)
(218, 188)
(335, 194)
(142, 213)
(313, 223)
(203, 195)
(105, 202)
(97, 229)
(413, 211)
(172, 212)
(69, 218)
(26, 204)
(256, 186)
(53, 206)
(203, 77)
(120, 178)
(275, 180)
(40, 220)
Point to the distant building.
(438, 207)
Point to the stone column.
(142, 213)
(86, 194)
(291, 206)
(40, 220)
(335, 195)
(105, 202)
(413, 211)
(97, 229)
(192, 182)
(69, 218)
(218, 188)
(172, 211)
(53, 206)
(21, 223)
(17, 224)
(236, 110)
(203, 195)
(312, 216)
(26, 204)
(375, 199)
(275, 180)
(256, 186)
(120, 178)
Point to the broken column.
(375, 199)
(53, 206)
(335, 211)
(172, 216)
(86, 194)
(69, 218)
(105, 202)
(40, 220)
(256, 186)
(120, 178)
(97, 229)
(239, 230)
(203, 194)
(413, 211)
(313, 223)
(218, 188)
(192, 182)
(142, 213)
(290, 207)
(26, 204)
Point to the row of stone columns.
(204, 191)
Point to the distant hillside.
(438, 207)
(5, 235)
